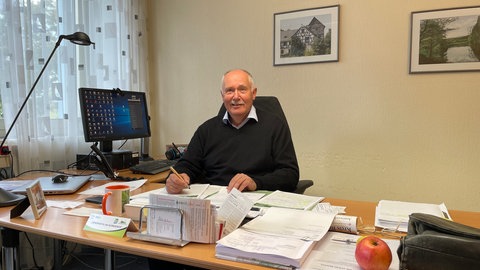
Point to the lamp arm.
(31, 91)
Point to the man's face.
(238, 95)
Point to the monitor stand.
(144, 143)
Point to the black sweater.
(263, 150)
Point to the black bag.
(440, 244)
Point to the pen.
(179, 176)
(346, 241)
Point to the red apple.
(372, 253)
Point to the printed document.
(393, 214)
(195, 220)
(289, 200)
(234, 209)
(337, 251)
(266, 250)
(293, 223)
(220, 196)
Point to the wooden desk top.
(70, 228)
(55, 224)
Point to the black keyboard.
(153, 166)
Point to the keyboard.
(153, 166)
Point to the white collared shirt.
(251, 115)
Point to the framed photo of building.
(445, 40)
(306, 36)
(36, 197)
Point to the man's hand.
(242, 182)
(175, 185)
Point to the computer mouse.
(61, 178)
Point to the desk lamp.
(79, 38)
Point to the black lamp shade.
(79, 38)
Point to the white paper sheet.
(300, 224)
(195, 191)
(100, 190)
(289, 200)
(234, 209)
(393, 214)
(337, 251)
(198, 218)
(219, 197)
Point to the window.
(48, 134)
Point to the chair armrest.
(303, 185)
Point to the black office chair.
(271, 104)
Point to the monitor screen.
(113, 114)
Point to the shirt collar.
(251, 115)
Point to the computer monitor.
(113, 114)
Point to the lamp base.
(8, 198)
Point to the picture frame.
(306, 36)
(445, 40)
(36, 197)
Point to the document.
(292, 223)
(220, 196)
(100, 190)
(195, 191)
(261, 249)
(395, 214)
(337, 251)
(191, 218)
(233, 210)
(289, 200)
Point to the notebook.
(70, 186)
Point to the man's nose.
(236, 93)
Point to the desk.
(201, 255)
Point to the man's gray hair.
(250, 78)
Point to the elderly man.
(246, 148)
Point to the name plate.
(109, 225)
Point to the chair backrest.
(266, 103)
(272, 104)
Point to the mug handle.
(104, 203)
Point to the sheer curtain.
(49, 132)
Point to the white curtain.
(49, 132)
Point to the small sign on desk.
(109, 225)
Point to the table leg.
(10, 243)
(57, 254)
(109, 259)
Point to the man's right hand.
(175, 185)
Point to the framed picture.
(445, 40)
(306, 36)
(36, 198)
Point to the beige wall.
(363, 127)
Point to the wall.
(363, 127)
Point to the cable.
(12, 173)
(33, 251)
(73, 164)
(120, 147)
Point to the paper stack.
(395, 214)
(282, 238)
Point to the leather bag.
(436, 243)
